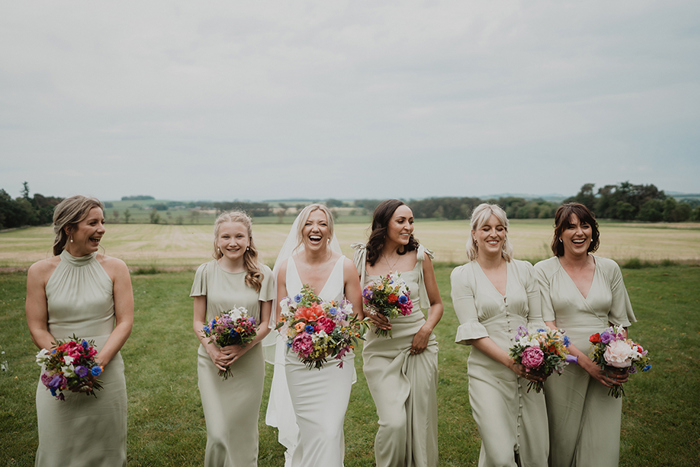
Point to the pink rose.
(618, 354)
(325, 324)
(303, 344)
(532, 357)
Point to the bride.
(308, 405)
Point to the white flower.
(618, 354)
(42, 356)
(318, 335)
(68, 371)
(68, 360)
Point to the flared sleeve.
(359, 258)
(544, 271)
(424, 299)
(462, 281)
(267, 289)
(621, 313)
(199, 285)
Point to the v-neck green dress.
(584, 421)
(83, 430)
(509, 418)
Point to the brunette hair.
(304, 216)
(254, 277)
(68, 214)
(562, 221)
(380, 221)
(480, 216)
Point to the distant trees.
(26, 210)
(633, 202)
(137, 198)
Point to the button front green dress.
(231, 407)
(584, 421)
(509, 418)
(83, 430)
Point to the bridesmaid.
(319, 398)
(492, 295)
(234, 278)
(81, 292)
(582, 294)
(401, 370)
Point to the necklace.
(391, 268)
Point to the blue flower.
(289, 344)
(333, 311)
(213, 322)
(207, 329)
(84, 344)
(233, 332)
(646, 368)
(297, 298)
(403, 299)
(53, 391)
(96, 370)
(309, 329)
(540, 330)
(567, 341)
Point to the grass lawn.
(660, 424)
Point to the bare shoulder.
(41, 270)
(113, 266)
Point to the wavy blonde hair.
(254, 277)
(480, 216)
(68, 214)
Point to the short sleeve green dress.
(83, 430)
(231, 406)
(510, 419)
(576, 403)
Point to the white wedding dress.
(316, 399)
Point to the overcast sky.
(259, 100)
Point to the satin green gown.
(403, 386)
(83, 430)
(509, 418)
(576, 403)
(231, 407)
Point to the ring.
(372, 312)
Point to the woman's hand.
(607, 376)
(420, 341)
(378, 319)
(520, 370)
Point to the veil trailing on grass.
(280, 413)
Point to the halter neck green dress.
(83, 430)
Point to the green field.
(660, 425)
(151, 245)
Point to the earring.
(247, 248)
(71, 239)
(561, 241)
(219, 250)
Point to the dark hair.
(562, 221)
(380, 221)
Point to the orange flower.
(311, 313)
(299, 327)
(392, 298)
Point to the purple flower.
(532, 357)
(368, 294)
(606, 337)
(81, 371)
(632, 370)
(46, 379)
(55, 381)
(571, 358)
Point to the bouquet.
(318, 330)
(611, 350)
(233, 327)
(70, 365)
(541, 353)
(388, 296)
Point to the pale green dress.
(584, 421)
(231, 407)
(509, 418)
(403, 386)
(83, 430)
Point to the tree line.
(624, 201)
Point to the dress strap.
(360, 260)
(420, 257)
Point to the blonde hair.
(304, 216)
(68, 214)
(254, 277)
(480, 216)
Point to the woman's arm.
(353, 289)
(36, 307)
(420, 340)
(123, 309)
(220, 359)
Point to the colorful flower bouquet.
(233, 327)
(613, 351)
(541, 353)
(318, 330)
(70, 365)
(389, 296)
